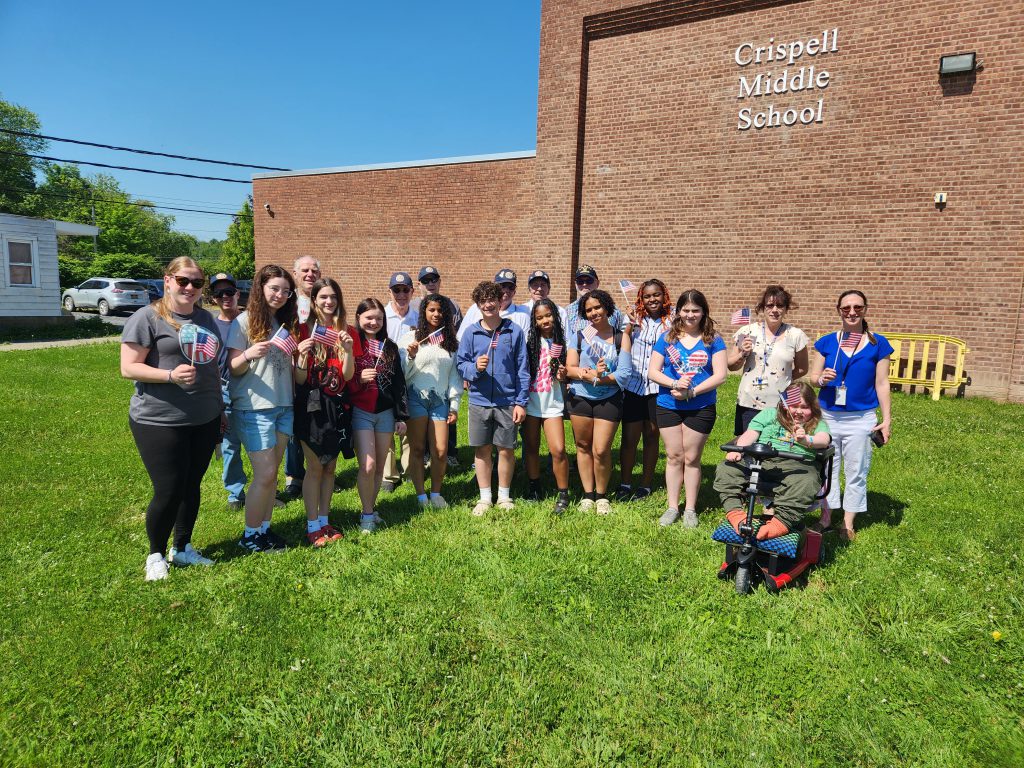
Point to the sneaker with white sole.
(368, 523)
(481, 508)
(586, 504)
(188, 556)
(438, 502)
(604, 507)
(670, 516)
(690, 518)
(156, 567)
(453, 462)
(505, 505)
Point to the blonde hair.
(162, 306)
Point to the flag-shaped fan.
(198, 344)
(741, 316)
(792, 396)
(434, 338)
(324, 335)
(851, 341)
(284, 341)
(696, 360)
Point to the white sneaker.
(481, 508)
(690, 518)
(670, 516)
(604, 507)
(586, 504)
(506, 505)
(438, 502)
(156, 567)
(188, 556)
(368, 524)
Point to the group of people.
(295, 378)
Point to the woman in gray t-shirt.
(175, 413)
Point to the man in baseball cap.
(401, 318)
(586, 281)
(224, 292)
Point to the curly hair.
(640, 308)
(487, 290)
(449, 343)
(707, 325)
(533, 338)
(260, 317)
(603, 298)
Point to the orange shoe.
(771, 529)
(332, 533)
(736, 518)
(317, 538)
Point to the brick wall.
(469, 220)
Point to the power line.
(123, 202)
(139, 151)
(122, 167)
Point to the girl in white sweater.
(435, 387)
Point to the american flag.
(284, 341)
(494, 338)
(627, 285)
(374, 347)
(851, 340)
(696, 360)
(206, 346)
(675, 357)
(792, 396)
(589, 333)
(324, 335)
(435, 338)
(741, 316)
(555, 351)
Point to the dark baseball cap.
(429, 273)
(505, 276)
(400, 278)
(222, 277)
(586, 270)
(539, 274)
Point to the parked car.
(244, 286)
(155, 288)
(106, 294)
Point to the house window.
(20, 265)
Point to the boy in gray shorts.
(492, 360)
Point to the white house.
(29, 278)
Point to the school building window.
(21, 268)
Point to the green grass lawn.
(513, 640)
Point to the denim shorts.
(257, 430)
(435, 406)
(364, 421)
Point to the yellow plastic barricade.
(920, 360)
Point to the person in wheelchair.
(795, 428)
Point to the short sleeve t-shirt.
(545, 400)
(856, 372)
(768, 369)
(268, 382)
(665, 399)
(767, 425)
(167, 403)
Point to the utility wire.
(123, 202)
(139, 151)
(122, 167)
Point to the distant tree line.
(134, 240)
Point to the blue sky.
(323, 85)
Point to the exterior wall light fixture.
(958, 63)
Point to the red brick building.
(725, 144)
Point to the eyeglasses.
(286, 292)
(856, 309)
(224, 293)
(401, 289)
(183, 281)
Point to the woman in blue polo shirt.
(853, 373)
(688, 364)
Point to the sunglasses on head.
(183, 281)
(222, 292)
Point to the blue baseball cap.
(400, 278)
(429, 273)
(539, 274)
(223, 277)
(505, 276)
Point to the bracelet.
(245, 356)
(170, 374)
(821, 381)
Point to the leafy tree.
(73, 271)
(126, 265)
(17, 174)
(240, 247)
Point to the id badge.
(841, 395)
(313, 403)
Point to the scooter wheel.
(743, 580)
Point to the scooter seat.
(786, 545)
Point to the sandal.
(847, 535)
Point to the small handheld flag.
(851, 341)
(556, 351)
(696, 360)
(792, 396)
(494, 339)
(284, 341)
(741, 316)
(627, 285)
(675, 357)
(324, 335)
(198, 344)
(434, 338)
(589, 333)
(375, 347)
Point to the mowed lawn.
(513, 640)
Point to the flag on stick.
(284, 341)
(675, 357)
(556, 351)
(494, 338)
(434, 338)
(741, 316)
(792, 396)
(324, 335)
(375, 347)
(851, 341)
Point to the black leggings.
(176, 459)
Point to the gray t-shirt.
(268, 382)
(168, 404)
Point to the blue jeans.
(231, 451)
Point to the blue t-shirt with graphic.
(665, 399)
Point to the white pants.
(851, 436)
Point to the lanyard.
(769, 347)
(839, 354)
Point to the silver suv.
(107, 294)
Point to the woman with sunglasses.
(853, 373)
(261, 395)
(772, 354)
(174, 415)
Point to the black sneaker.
(274, 542)
(257, 542)
(624, 493)
(561, 504)
(534, 494)
(290, 493)
(640, 493)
